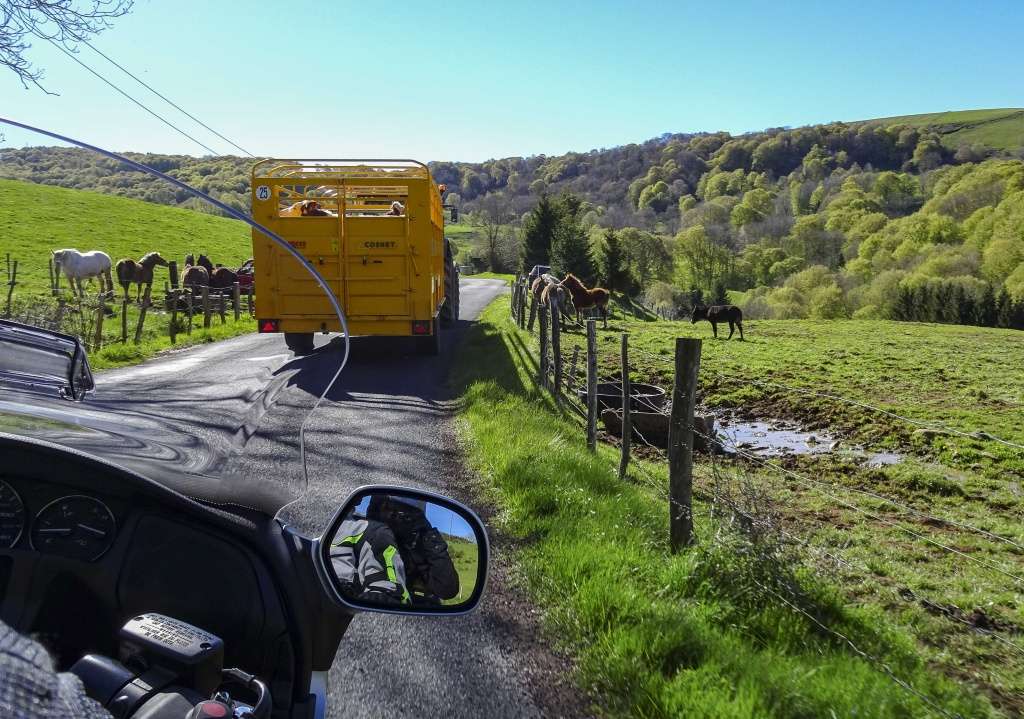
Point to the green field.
(1002, 129)
(465, 556)
(733, 627)
(36, 219)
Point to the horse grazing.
(583, 298)
(141, 273)
(719, 313)
(78, 266)
(194, 276)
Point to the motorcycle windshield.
(156, 281)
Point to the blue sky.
(474, 80)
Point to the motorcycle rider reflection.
(393, 555)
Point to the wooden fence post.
(591, 386)
(173, 326)
(542, 368)
(172, 270)
(97, 341)
(533, 310)
(237, 299)
(680, 443)
(556, 348)
(12, 280)
(142, 314)
(522, 306)
(627, 409)
(515, 289)
(124, 320)
(206, 307)
(189, 302)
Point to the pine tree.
(613, 262)
(1004, 310)
(988, 311)
(570, 251)
(1017, 322)
(721, 297)
(961, 308)
(905, 308)
(539, 231)
(944, 309)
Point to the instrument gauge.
(12, 516)
(76, 527)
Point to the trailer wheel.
(301, 343)
(450, 308)
(430, 346)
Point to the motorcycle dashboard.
(84, 547)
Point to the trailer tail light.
(421, 327)
(268, 325)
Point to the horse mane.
(149, 257)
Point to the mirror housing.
(404, 551)
(40, 360)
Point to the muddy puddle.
(777, 439)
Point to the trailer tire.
(450, 308)
(301, 343)
(431, 345)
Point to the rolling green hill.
(1000, 129)
(36, 219)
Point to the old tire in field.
(430, 346)
(301, 343)
(450, 308)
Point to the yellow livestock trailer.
(374, 229)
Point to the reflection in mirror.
(405, 553)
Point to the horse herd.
(78, 266)
(570, 296)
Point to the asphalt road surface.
(386, 420)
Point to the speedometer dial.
(77, 527)
(12, 516)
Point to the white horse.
(84, 265)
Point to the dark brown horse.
(204, 262)
(584, 298)
(222, 278)
(719, 313)
(141, 273)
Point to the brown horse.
(194, 276)
(204, 262)
(559, 299)
(141, 273)
(584, 298)
(719, 313)
(222, 278)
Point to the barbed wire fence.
(729, 490)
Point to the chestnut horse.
(141, 273)
(584, 298)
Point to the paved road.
(387, 420)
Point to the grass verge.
(710, 632)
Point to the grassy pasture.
(1002, 129)
(698, 634)
(35, 219)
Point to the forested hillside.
(918, 217)
(226, 177)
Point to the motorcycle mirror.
(404, 551)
